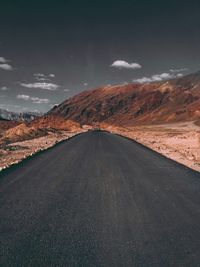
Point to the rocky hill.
(160, 102)
(39, 127)
(5, 125)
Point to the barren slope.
(170, 101)
(39, 127)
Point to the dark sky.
(77, 41)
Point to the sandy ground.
(178, 141)
(16, 152)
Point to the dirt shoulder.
(177, 141)
(15, 152)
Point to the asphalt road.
(99, 200)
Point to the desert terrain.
(99, 133)
(14, 153)
(164, 116)
(177, 141)
(25, 139)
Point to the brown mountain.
(41, 126)
(6, 124)
(169, 101)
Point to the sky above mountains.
(52, 50)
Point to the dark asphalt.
(99, 200)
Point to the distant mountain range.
(159, 102)
(14, 116)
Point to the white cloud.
(24, 97)
(38, 100)
(158, 77)
(39, 75)
(34, 99)
(121, 64)
(43, 77)
(9, 107)
(3, 60)
(4, 88)
(161, 77)
(178, 70)
(143, 80)
(85, 84)
(44, 86)
(5, 66)
(179, 75)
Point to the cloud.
(85, 84)
(43, 77)
(161, 77)
(44, 86)
(39, 75)
(34, 99)
(4, 65)
(179, 75)
(4, 88)
(38, 100)
(121, 64)
(66, 90)
(143, 80)
(158, 77)
(3, 60)
(9, 107)
(124, 82)
(178, 70)
(24, 97)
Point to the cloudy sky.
(51, 50)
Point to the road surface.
(99, 200)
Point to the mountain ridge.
(157, 102)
